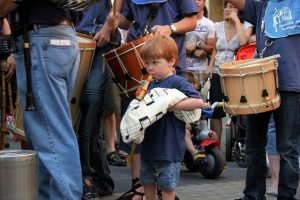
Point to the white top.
(205, 29)
(226, 49)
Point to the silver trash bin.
(18, 175)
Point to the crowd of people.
(185, 43)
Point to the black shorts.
(216, 95)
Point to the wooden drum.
(250, 86)
(127, 67)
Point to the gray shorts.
(112, 101)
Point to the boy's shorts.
(163, 173)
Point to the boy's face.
(159, 68)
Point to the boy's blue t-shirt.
(164, 140)
(168, 13)
(287, 47)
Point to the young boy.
(164, 145)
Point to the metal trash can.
(18, 175)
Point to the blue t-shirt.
(287, 47)
(168, 13)
(164, 140)
(98, 10)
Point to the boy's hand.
(205, 106)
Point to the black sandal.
(89, 189)
(159, 195)
(132, 192)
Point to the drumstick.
(255, 61)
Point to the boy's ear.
(172, 61)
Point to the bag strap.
(153, 10)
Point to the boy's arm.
(189, 104)
(240, 4)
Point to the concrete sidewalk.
(193, 186)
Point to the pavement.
(193, 186)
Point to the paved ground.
(194, 186)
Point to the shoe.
(272, 191)
(114, 159)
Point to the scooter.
(211, 162)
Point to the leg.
(216, 126)
(256, 140)
(287, 120)
(49, 128)
(274, 158)
(150, 191)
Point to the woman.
(230, 35)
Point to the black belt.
(39, 26)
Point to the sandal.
(133, 191)
(89, 189)
(159, 195)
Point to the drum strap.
(151, 15)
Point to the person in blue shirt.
(275, 34)
(164, 143)
(95, 170)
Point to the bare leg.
(150, 192)
(110, 132)
(189, 143)
(216, 126)
(274, 170)
(168, 195)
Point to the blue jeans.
(55, 61)
(166, 174)
(271, 148)
(92, 152)
(287, 121)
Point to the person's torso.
(226, 47)
(205, 29)
(45, 12)
(168, 13)
(287, 47)
(164, 140)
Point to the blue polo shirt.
(287, 47)
(168, 13)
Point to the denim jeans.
(90, 124)
(271, 148)
(55, 60)
(287, 121)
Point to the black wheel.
(240, 154)
(213, 165)
(228, 144)
(189, 162)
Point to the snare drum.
(87, 48)
(127, 67)
(250, 86)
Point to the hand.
(199, 53)
(163, 30)
(206, 106)
(190, 47)
(208, 71)
(10, 67)
(234, 17)
(102, 38)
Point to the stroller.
(236, 127)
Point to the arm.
(189, 104)
(5, 28)
(242, 34)
(240, 4)
(187, 24)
